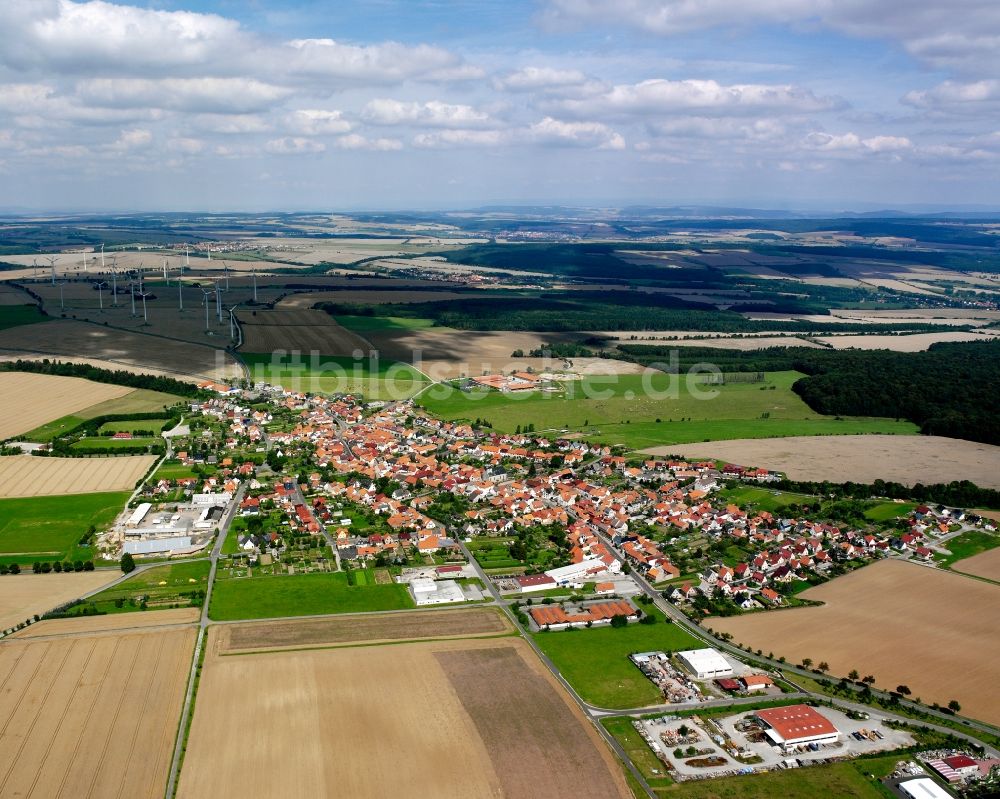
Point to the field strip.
(116, 622)
(30, 400)
(245, 638)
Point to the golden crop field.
(449, 719)
(29, 476)
(24, 595)
(929, 629)
(860, 458)
(93, 715)
(29, 400)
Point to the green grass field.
(17, 315)
(887, 511)
(763, 498)
(840, 780)
(368, 324)
(139, 401)
(106, 442)
(153, 424)
(966, 545)
(623, 409)
(301, 595)
(46, 528)
(175, 470)
(337, 375)
(162, 587)
(596, 663)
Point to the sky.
(251, 105)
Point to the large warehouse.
(923, 788)
(706, 664)
(797, 725)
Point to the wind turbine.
(85, 261)
(101, 285)
(102, 256)
(187, 256)
(205, 295)
(180, 295)
(52, 265)
(143, 295)
(114, 280)
(218, 301)
(165, 271)
(232, 321)
(131, 288)
(255, 286)
(225, 267)
(34, 265)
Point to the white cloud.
(432, 114)
(355, 141)
(529, 79)
(578, 134)
(462, 138)
(133, 139)
(317, 122)
(725, 129)
(185, 145)
(294, 145)
(207, 95)
(659, 96)
(955, 97)
(962, 34)
(853, 143)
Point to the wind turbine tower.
(102, 256)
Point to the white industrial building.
(152, 546)
(706, 664)
(578, 572)
(923, 788)
(138, 515)
(435, 592)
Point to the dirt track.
(931, 630)
(862, 459)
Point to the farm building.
(796, 725)
(923, 788)
(756, 682)
(435, 592)
(534, 582)
(706, 664)
(557, 618)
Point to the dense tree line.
(956, 494)
(119, 377)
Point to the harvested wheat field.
(916, 342)
(124, 349)
(862, 459)
(463, 622)
(29, 400)
(24, 595)
(447, 719)
(903, 623)
(91, 716)
(30, 476)
(985, 564)
(113, 622)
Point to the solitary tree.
(852, 675)
(868, 679)
(823, 666)
(806, 662)
(904, 690)
(128, 563)
(953, 705)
